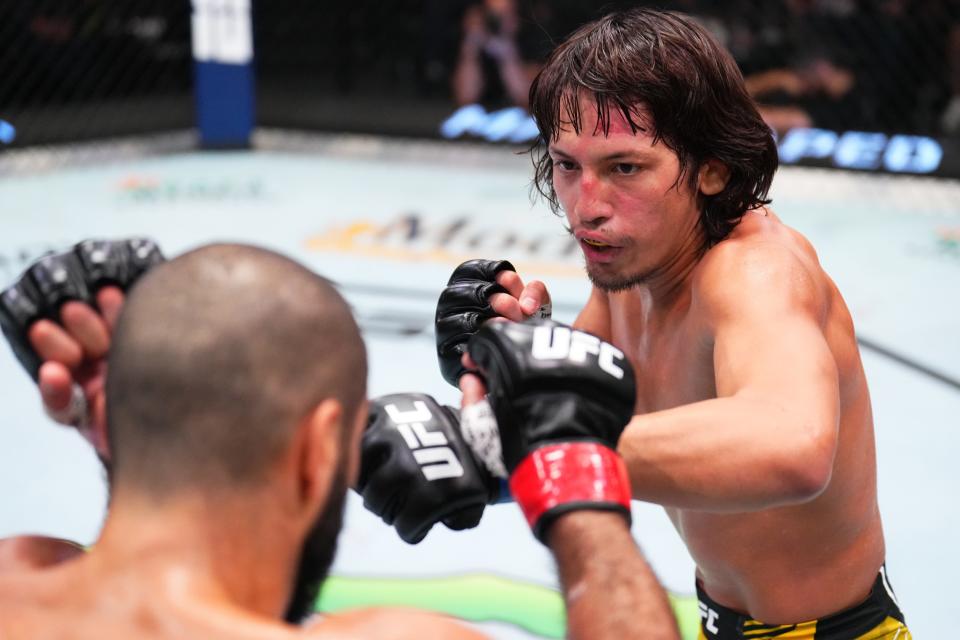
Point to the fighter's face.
(632, 217)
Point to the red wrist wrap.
(569, 472)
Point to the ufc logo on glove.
(564, 343)
(430, 450)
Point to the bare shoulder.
(763, 261)
(390, 624)
(35, 552)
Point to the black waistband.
(721, 623)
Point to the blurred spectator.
(499, 56)
(814, 92)
(950, 120)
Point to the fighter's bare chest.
(673, 365)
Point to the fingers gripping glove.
(57, 278)
(463, 306)
(416, 470)
(561, 398)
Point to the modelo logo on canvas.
(413, 237)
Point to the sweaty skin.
(35, 552)
(144, 601)
(184, 568)
(753, 424)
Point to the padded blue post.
(223, 65)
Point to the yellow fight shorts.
(878, 617)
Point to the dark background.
(80, 69)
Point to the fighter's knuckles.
(57, 279)
(507, 306)
(511, 281)
(86, 327)
(467, 295)
(119, 263)
(50, 342)
(479, 269)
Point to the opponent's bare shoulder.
(762, 261)
(389, 624)
(35, 552)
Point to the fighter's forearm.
(609, 589)
(728, 454)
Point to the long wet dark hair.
(667, 75)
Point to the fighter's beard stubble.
(318, 551)
(615, 284)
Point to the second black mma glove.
(57, 278)
(416, 469)
(561, 398)
(464, 305)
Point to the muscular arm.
(770, 435)
(608, 588)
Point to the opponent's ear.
(358, 424)
(713, 177)
(319, 453)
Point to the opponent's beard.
(317, 553)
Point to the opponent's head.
(642, 114)
(236, 374)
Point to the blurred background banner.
(74, 70)
(863, 84)
(380, 142)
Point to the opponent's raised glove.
(416, 469)
(464, 305)
(561, 398)
(57, 278)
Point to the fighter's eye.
(564, 165)
(625, 168)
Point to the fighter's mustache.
(597, 239)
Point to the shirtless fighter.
(753, 424)
(236, 400)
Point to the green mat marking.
(477, 598)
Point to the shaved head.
(218, 356)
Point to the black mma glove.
(464, 305)
(76, 274)
(561, 398)
(416, 469)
